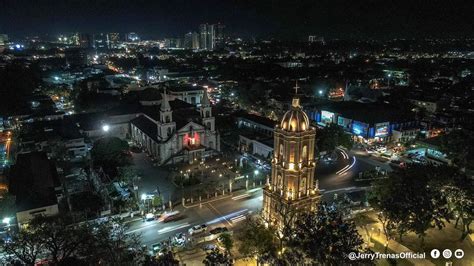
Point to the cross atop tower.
(296, 88)
(296, 100)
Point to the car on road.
(197, 229)
(218, 230)
(170, 216)
(149, 217)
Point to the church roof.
(295, 120)
(146, 126)
(183, 116)
(150, 94)
(183, 113)
(176, 105)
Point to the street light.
(255, 172)
(320, 92)
(6, 220)
(143, 197)
(106, 128)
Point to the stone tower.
(293, 186)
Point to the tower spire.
(205, 99)
(165, 105)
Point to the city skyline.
(265, 19)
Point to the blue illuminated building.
(367, 122)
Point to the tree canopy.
(59, 241)
(325, 237)
(110, 153)
(331, 136)
(422, 197)
(459, 146)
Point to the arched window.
(280, 152)
(304, 153)
(208, 113)
(303, 186)
(292, 153)
(169, 131)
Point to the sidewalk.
(238, 193)
(376, 235)
(396, 247)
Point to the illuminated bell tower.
(206, 112)
(292, 187)
(166, 126)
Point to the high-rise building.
(220, 35)
(188, 40)
(203, 36)
(207, 36)
(195, 41)
(292, 187)
(191, 40)
(113, 39)
(173, 43)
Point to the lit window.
(291, 166)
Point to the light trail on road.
(227, 217)
(243, 196)
(173, 228)
(344, 153)
(347, 168)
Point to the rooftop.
(368, 112)
(259, 119)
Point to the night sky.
(260, 18)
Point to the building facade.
(293, 188)
(207, 37)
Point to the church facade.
(293, 187)
(175, 131)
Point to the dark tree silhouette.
(325, 237)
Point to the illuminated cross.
(296, 88)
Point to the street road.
(229, 211)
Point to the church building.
(176, 131)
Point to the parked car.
(218, 230)
(197, 229)
(209, 247)
(179, 239)
(158, 248)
